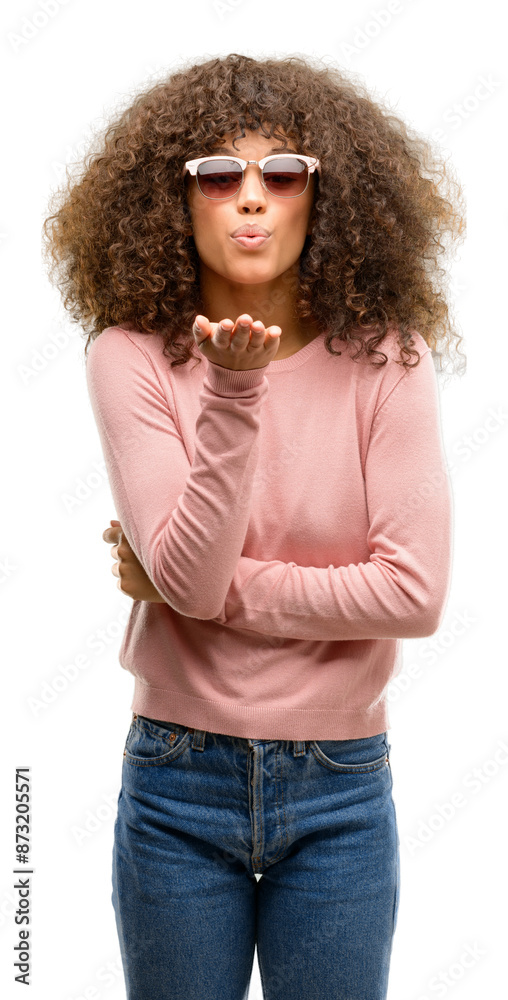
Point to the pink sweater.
(295, 518)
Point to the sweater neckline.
(298, 358)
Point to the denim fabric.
(200, 814)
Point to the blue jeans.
(200, 813)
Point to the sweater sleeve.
(402, 590)
(186, 522)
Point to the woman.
(284, 509)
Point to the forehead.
(252, 140)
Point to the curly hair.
(119, 243)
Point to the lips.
(250, 231)
(251, 242)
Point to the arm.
(401, 591)
(186, 522)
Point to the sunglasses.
(284, 175)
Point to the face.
(286, 219)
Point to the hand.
(239, 346)
(133, 580)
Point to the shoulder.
(376, 383)
(123, 363)
(124, 352)
(406, 386)
(391, 346)
(125, 342)
(118, 338)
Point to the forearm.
(364, 601)
(185, 514)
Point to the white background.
(448, 706)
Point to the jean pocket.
(151, 743)
(360, 756)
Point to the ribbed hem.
(228, 382)
(261, 723)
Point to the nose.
(252, 194)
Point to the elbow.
(195, 608)
(176, 587)
(425, 619)
(184, 604)
(195, 611)
(184, 600)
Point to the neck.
(272, 302)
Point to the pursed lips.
(251, 242)
(250, 231)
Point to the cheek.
(296, 218)
(294, 229)
(206, 226)
(198, 210)
(203, 237)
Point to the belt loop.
(198, 740)
(299, 748)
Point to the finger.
(223, 333)
(201, 328)
(245, 320)
(241, 331)
(112, 534)
(257, 337)
(258, 328)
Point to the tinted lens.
(285, 176)
(219, 178)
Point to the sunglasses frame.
(312, 164)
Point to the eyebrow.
(232, 152)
